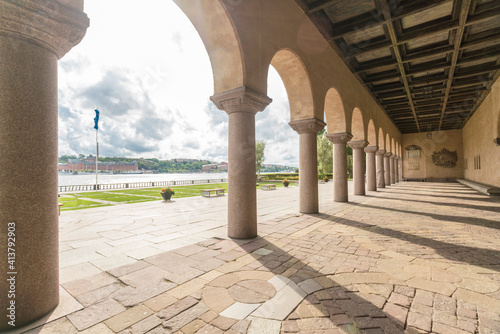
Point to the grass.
(86, 200)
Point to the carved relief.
(445, 158)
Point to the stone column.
(33, 36)
(396, 169)
(241, 104)
(358, 164)
(387, 168)
(371, 170)
(380, 169)
(400, 169)
(339, 140)
(308, 162)
(393, 168)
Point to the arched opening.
(357, 125)
(372, 134)
(387, 143)
(393, 146)
(296, 80)
(218, 35)
(381, 141)
(334, 112)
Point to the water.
(66, 179)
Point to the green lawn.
(84, 200)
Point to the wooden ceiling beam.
(463, 13)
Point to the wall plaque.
(445, 158)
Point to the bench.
(406, 179)
(210, 192)
(268, 187)
(481, 187)
(60, 204)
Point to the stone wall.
(482, 155)
(424, 166)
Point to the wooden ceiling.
(428, 63)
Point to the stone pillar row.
(308, 162)
(28, 140)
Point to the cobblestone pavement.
(410, 258)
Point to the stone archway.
(294, 75)
(221, 42)
(334, 112)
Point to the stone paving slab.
(410, 258)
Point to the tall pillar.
(33, 36)
(396, 169)
(393, 168)
(308, 162)
(241, 104)
(358, 164)
(371, 170)
(380, 169)
(400, 169)
(339, 140)
(387, 168)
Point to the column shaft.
(241, 104)
(340, 189)
(358, 162)
(308, 163)
(393, 168)
(28, 177)
(396, 170)
(387, 169)
(242, 198)
(371, 171)
(380, 169)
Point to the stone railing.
(135, 185)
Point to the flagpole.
(97, 158)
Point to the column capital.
(387, 154)
(241, 99)
(393, 156)
(371, 149)
(380, 152)
(55, 26)
(309, 125)
(339, 137)
(358, 144)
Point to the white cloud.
(146, 69)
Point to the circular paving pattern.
(252, 291)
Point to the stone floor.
(410, 258)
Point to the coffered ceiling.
(428, 63)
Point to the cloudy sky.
(143, 65)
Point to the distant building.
(214, 167)
(88, 164)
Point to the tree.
(325, 153)
(259, 155)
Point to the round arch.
(217, 32)
(387, 143)
(297, 84)
(372, 134)
(381, 141)
(393, 146)
(357, 125)
(334, 112)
